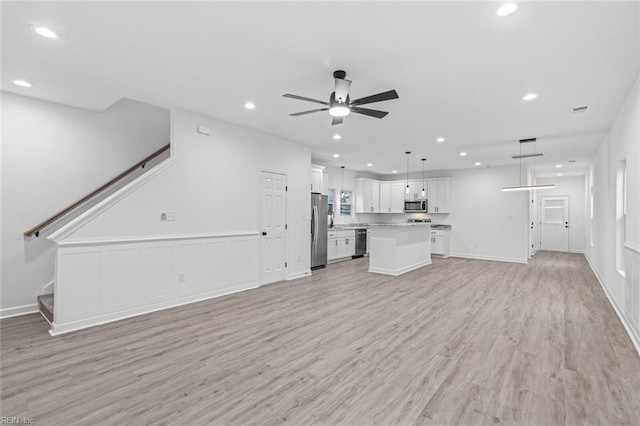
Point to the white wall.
(485, 222)
(621, 143)
(125, 260)
(574, 187)
(53, 155)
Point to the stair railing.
(140, 164)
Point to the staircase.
(45, 305)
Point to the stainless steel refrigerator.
(318, 231)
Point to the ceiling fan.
(339, 105)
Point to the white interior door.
(554, 218)
(273, 246)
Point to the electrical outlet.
(171, 216)
(182, 277)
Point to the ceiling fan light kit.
(340, 104)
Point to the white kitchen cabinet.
(443, 196)
(438, 195)
(332, 248)
(397, 197)
(316, 179)
(341, 244)
(385, 197)
(440, 242)
(367, 196)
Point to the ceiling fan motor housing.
(339, 74)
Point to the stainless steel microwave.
(415, 206)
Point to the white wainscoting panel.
(632, 289)
(81, 293)
(161, 278)
(107, 281)
(121, 275)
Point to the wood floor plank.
(461, 341)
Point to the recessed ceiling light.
(529, 97)
(250, 105)
(477, 163)
(506, 9)
(440, 140)
(559, 174)
(558, 166)
(462, 154)
(43, 31)
(395, 171)
(336, 155)
(369, 165)
(337, 137)
(22, 83)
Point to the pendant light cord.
(408, 152)
(423, 160)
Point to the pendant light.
(342, 184)
(520, 157)
(407, 188)
(424, 193)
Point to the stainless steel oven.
(415, 206)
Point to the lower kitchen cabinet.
(440, 242)
(341, 244)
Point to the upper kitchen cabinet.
(367, 196)
(385, 197)
(392, 197)
(438, 195)
(316, 179)
(415, 190)
(397, 197)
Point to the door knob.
(264, 233)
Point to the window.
(345, 203)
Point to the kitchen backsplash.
(387, 218)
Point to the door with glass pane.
(554, 223)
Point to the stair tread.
(46, 304)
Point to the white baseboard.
(18, 310)
(630, 331)
(494, 258)
(57, 329)
(397, 272)
(577, 251)
(297, 275)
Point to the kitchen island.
(399, 248)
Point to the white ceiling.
(459, 69)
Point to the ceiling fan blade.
(379, 97)
(295, 114)
(370, 112)
(336, 120)
(302, 98)
(342, 89)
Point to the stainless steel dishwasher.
(361, 242)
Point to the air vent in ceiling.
(580, 109)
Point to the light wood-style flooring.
(458, 342)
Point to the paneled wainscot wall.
(99, 282)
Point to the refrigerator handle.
(315, 231)
(313, 216)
